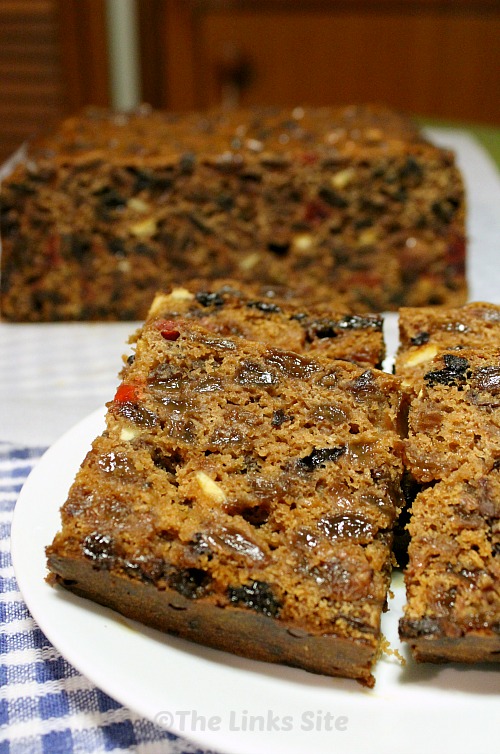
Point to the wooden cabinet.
(53, 60)
(429, 57)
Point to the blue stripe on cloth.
(53, 705)
(19, 641)
(104, 702)
(123, 732)
(5, 560)
(57, 742)
(47, 706)
(20, 472)
(12, 488)
(11, 453)
(8, 584)
(11, 611)
(5, 530)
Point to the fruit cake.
(242, 496)
(276, 318)
(454, 419)
(426, 331)
(453, 452)
(453, 577)
(351, 204)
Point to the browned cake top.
(255, 136)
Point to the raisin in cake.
(349, 203)
(276, 318)
(453, 452)
(242, 496)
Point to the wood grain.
(436, 58)
(53, 60)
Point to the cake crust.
(248, 634)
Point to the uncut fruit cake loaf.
(239, 309)
(349, 204)
(242, 497)
(453, 453)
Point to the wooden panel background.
(437, 58)
(31, 89)
(53, 60)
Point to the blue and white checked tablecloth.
(46, 706)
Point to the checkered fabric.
(46, 706)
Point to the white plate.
(229, 703)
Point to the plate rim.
(354, 699)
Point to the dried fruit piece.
(318, 457)
(256, 595)
(205, 298)
(168, 329)
(279, 418)
(454, 372)
(127, 393)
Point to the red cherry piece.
(127, 394)
(315, 211)
(168, 329)
(455, 254)
(170, 334)
(53, 250)
(308, 158)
